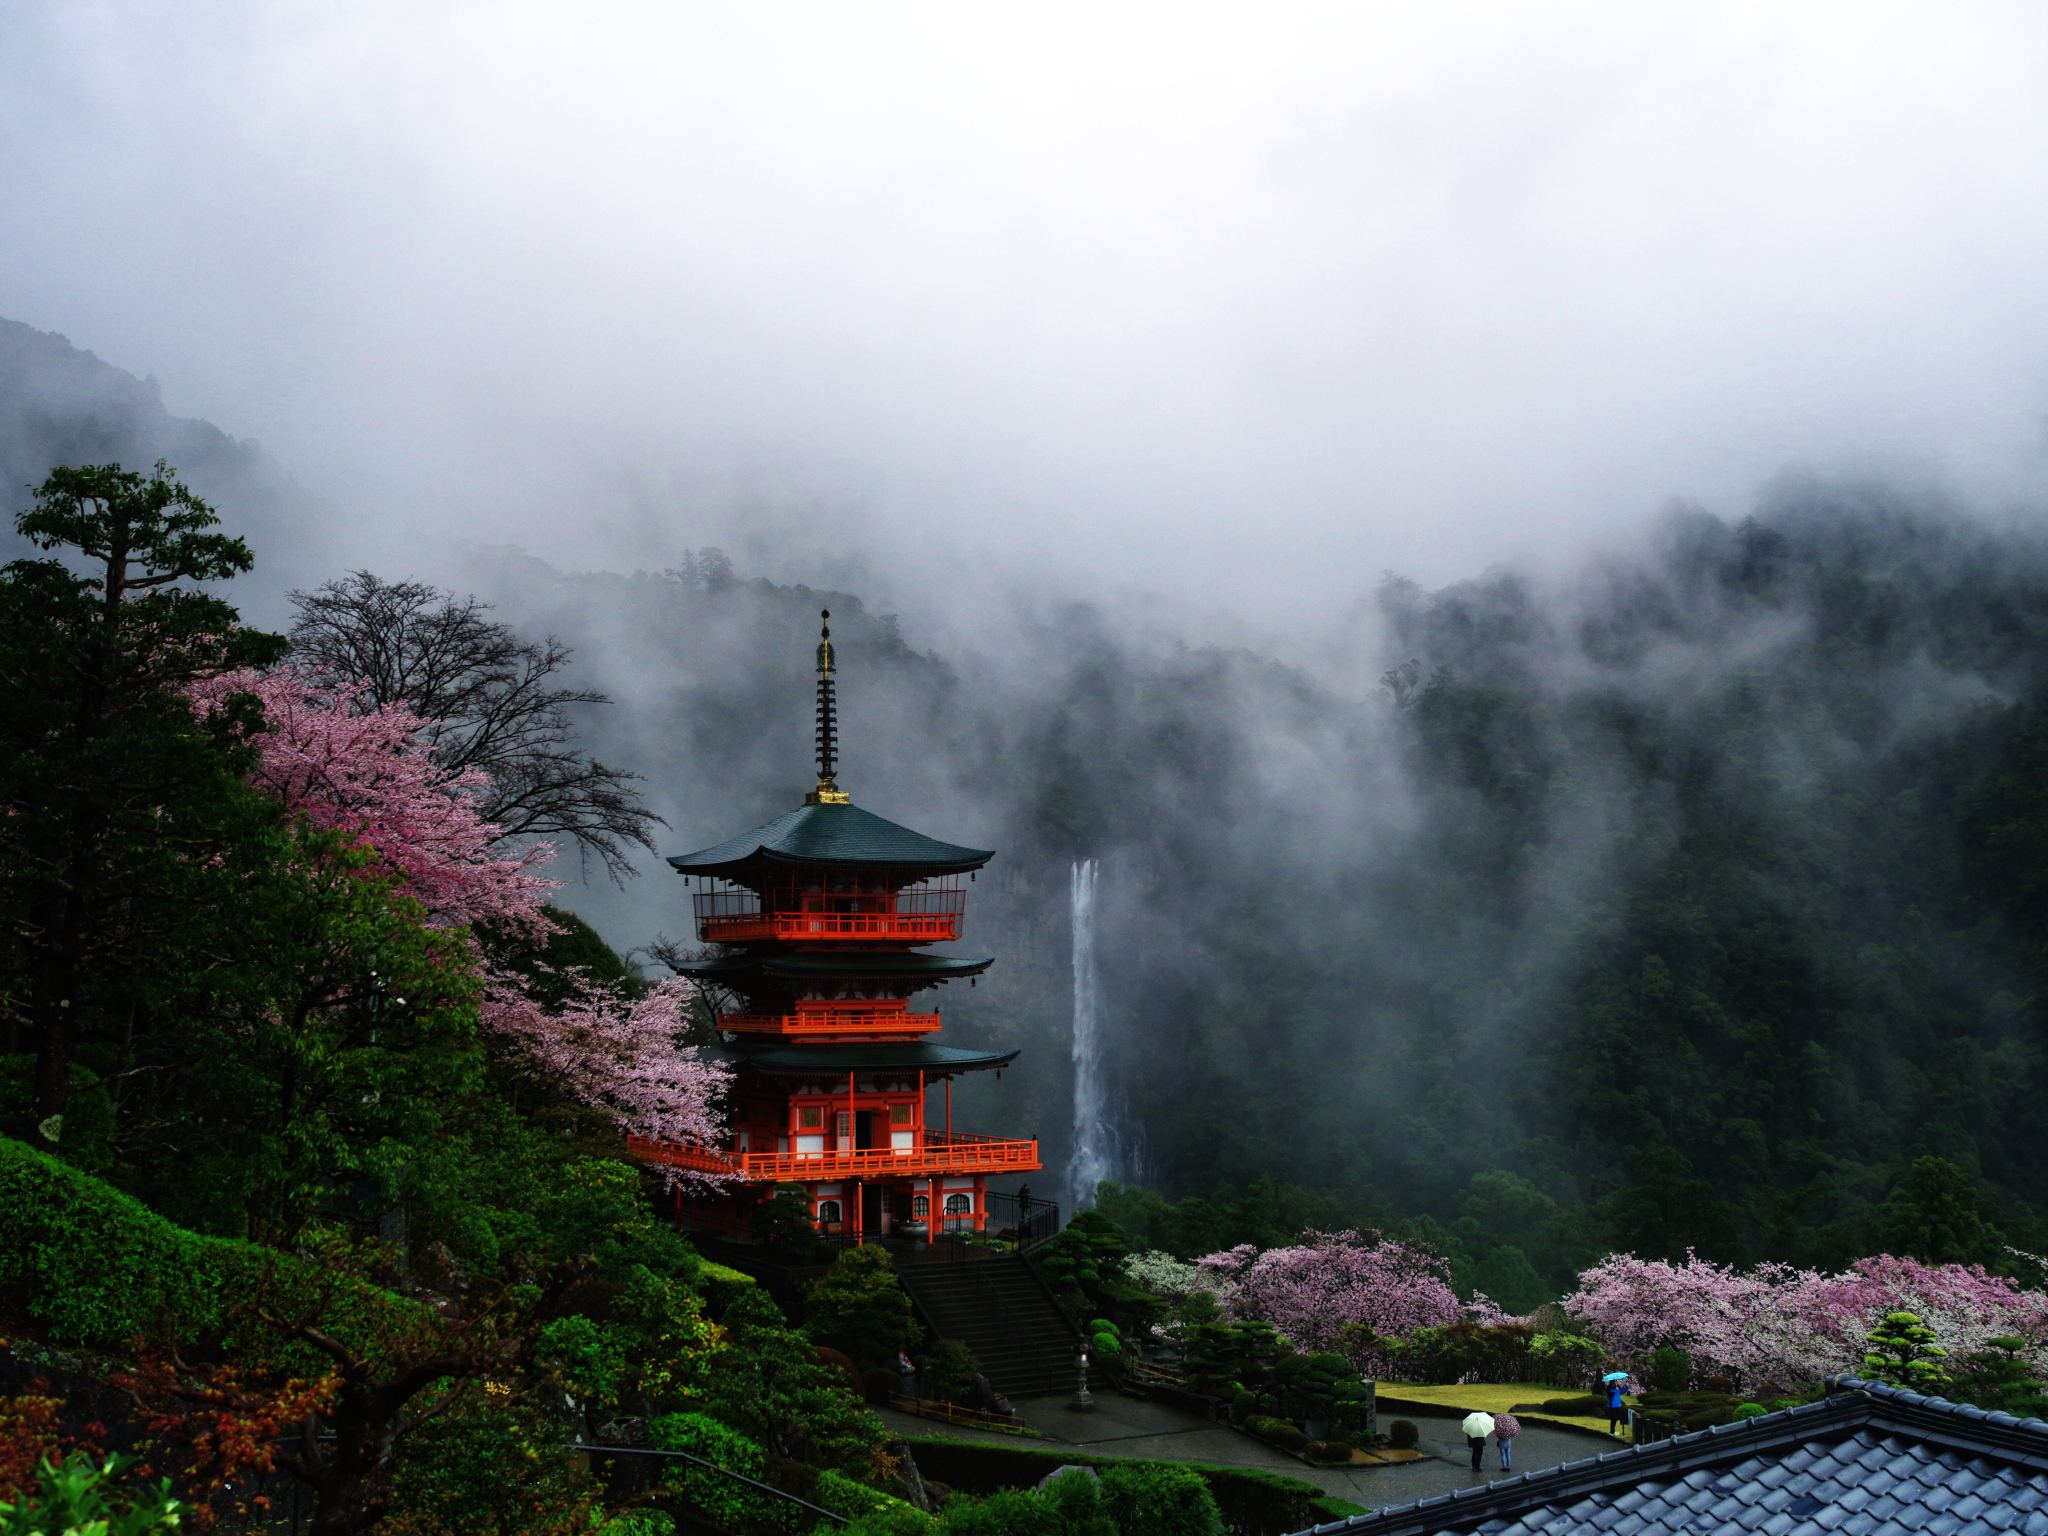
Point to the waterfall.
(1093, 1158)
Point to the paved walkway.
(1122, 1426)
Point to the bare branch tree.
(487, 693)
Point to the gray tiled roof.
(1870, 1460)
(832, 835)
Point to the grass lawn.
(1494, 1397)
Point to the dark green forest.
(1682, 903)
(1683, 899)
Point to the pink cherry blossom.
(1776, 1323)
(619, 1055)
(1321, 1293)
(366, 771)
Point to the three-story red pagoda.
(824, 915)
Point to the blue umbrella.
(1615, 1376)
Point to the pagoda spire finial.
(828, 791)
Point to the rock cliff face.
(62, 405)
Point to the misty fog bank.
(1229, 303)
(1695, 875)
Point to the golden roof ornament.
(828, 791)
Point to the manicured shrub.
(1402, 1434)
(1159, 1499)
(1252, 1501)
(1076, 1497)
(1329, 1450)
(90, 1265)
(1006, 1512)
(1576, 1407)
(1670, 1370)
(899, 1521)
(860, 1307)
(725, 1501)
(1283, 1434)
(950, 1370)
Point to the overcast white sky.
(1253, 299)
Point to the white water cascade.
(1093, 1158)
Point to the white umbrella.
(1478, 1425)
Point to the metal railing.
(1031, 1219)
(953, 1413)
(712, 1466)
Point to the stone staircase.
(1000, 1309)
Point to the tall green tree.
(1937, 1215)
(119, 802)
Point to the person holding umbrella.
(1615, 1411)
(1505, 1427)
(1477, 1427)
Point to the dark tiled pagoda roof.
(821, 836)
(851, 965)
(1870, 1460)
(905, 1056)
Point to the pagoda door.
(871, 1208)
(864, 1130)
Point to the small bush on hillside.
(1670, 1370)
(950, 1370)
(1402, 1434)
(860, 1307)
(1160, 1499)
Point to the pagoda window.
(842, 1125)
(810, 1117)
(828, 1213)
(920, 1207)
(959, 1205)
(899, 1114)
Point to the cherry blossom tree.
(617, 1054)
(1752, 1326)
(1335, 1288)
(1776, 1323)
(367, 771)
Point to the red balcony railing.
(917, 927)
(918, 915)
(854, 1020)
(940, 1154)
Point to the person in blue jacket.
(1615, 1411)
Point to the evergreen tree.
(1901, 1350)
(860, 1307)
(1936, 1215)
(119, 803)
(1998, 1379)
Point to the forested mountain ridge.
(60, 404)
(1696, 894)
(1779, 783)
(1681, 903)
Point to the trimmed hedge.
(84, 1265)
(731, 1503)
(81, 1263)
(1253, 1500)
